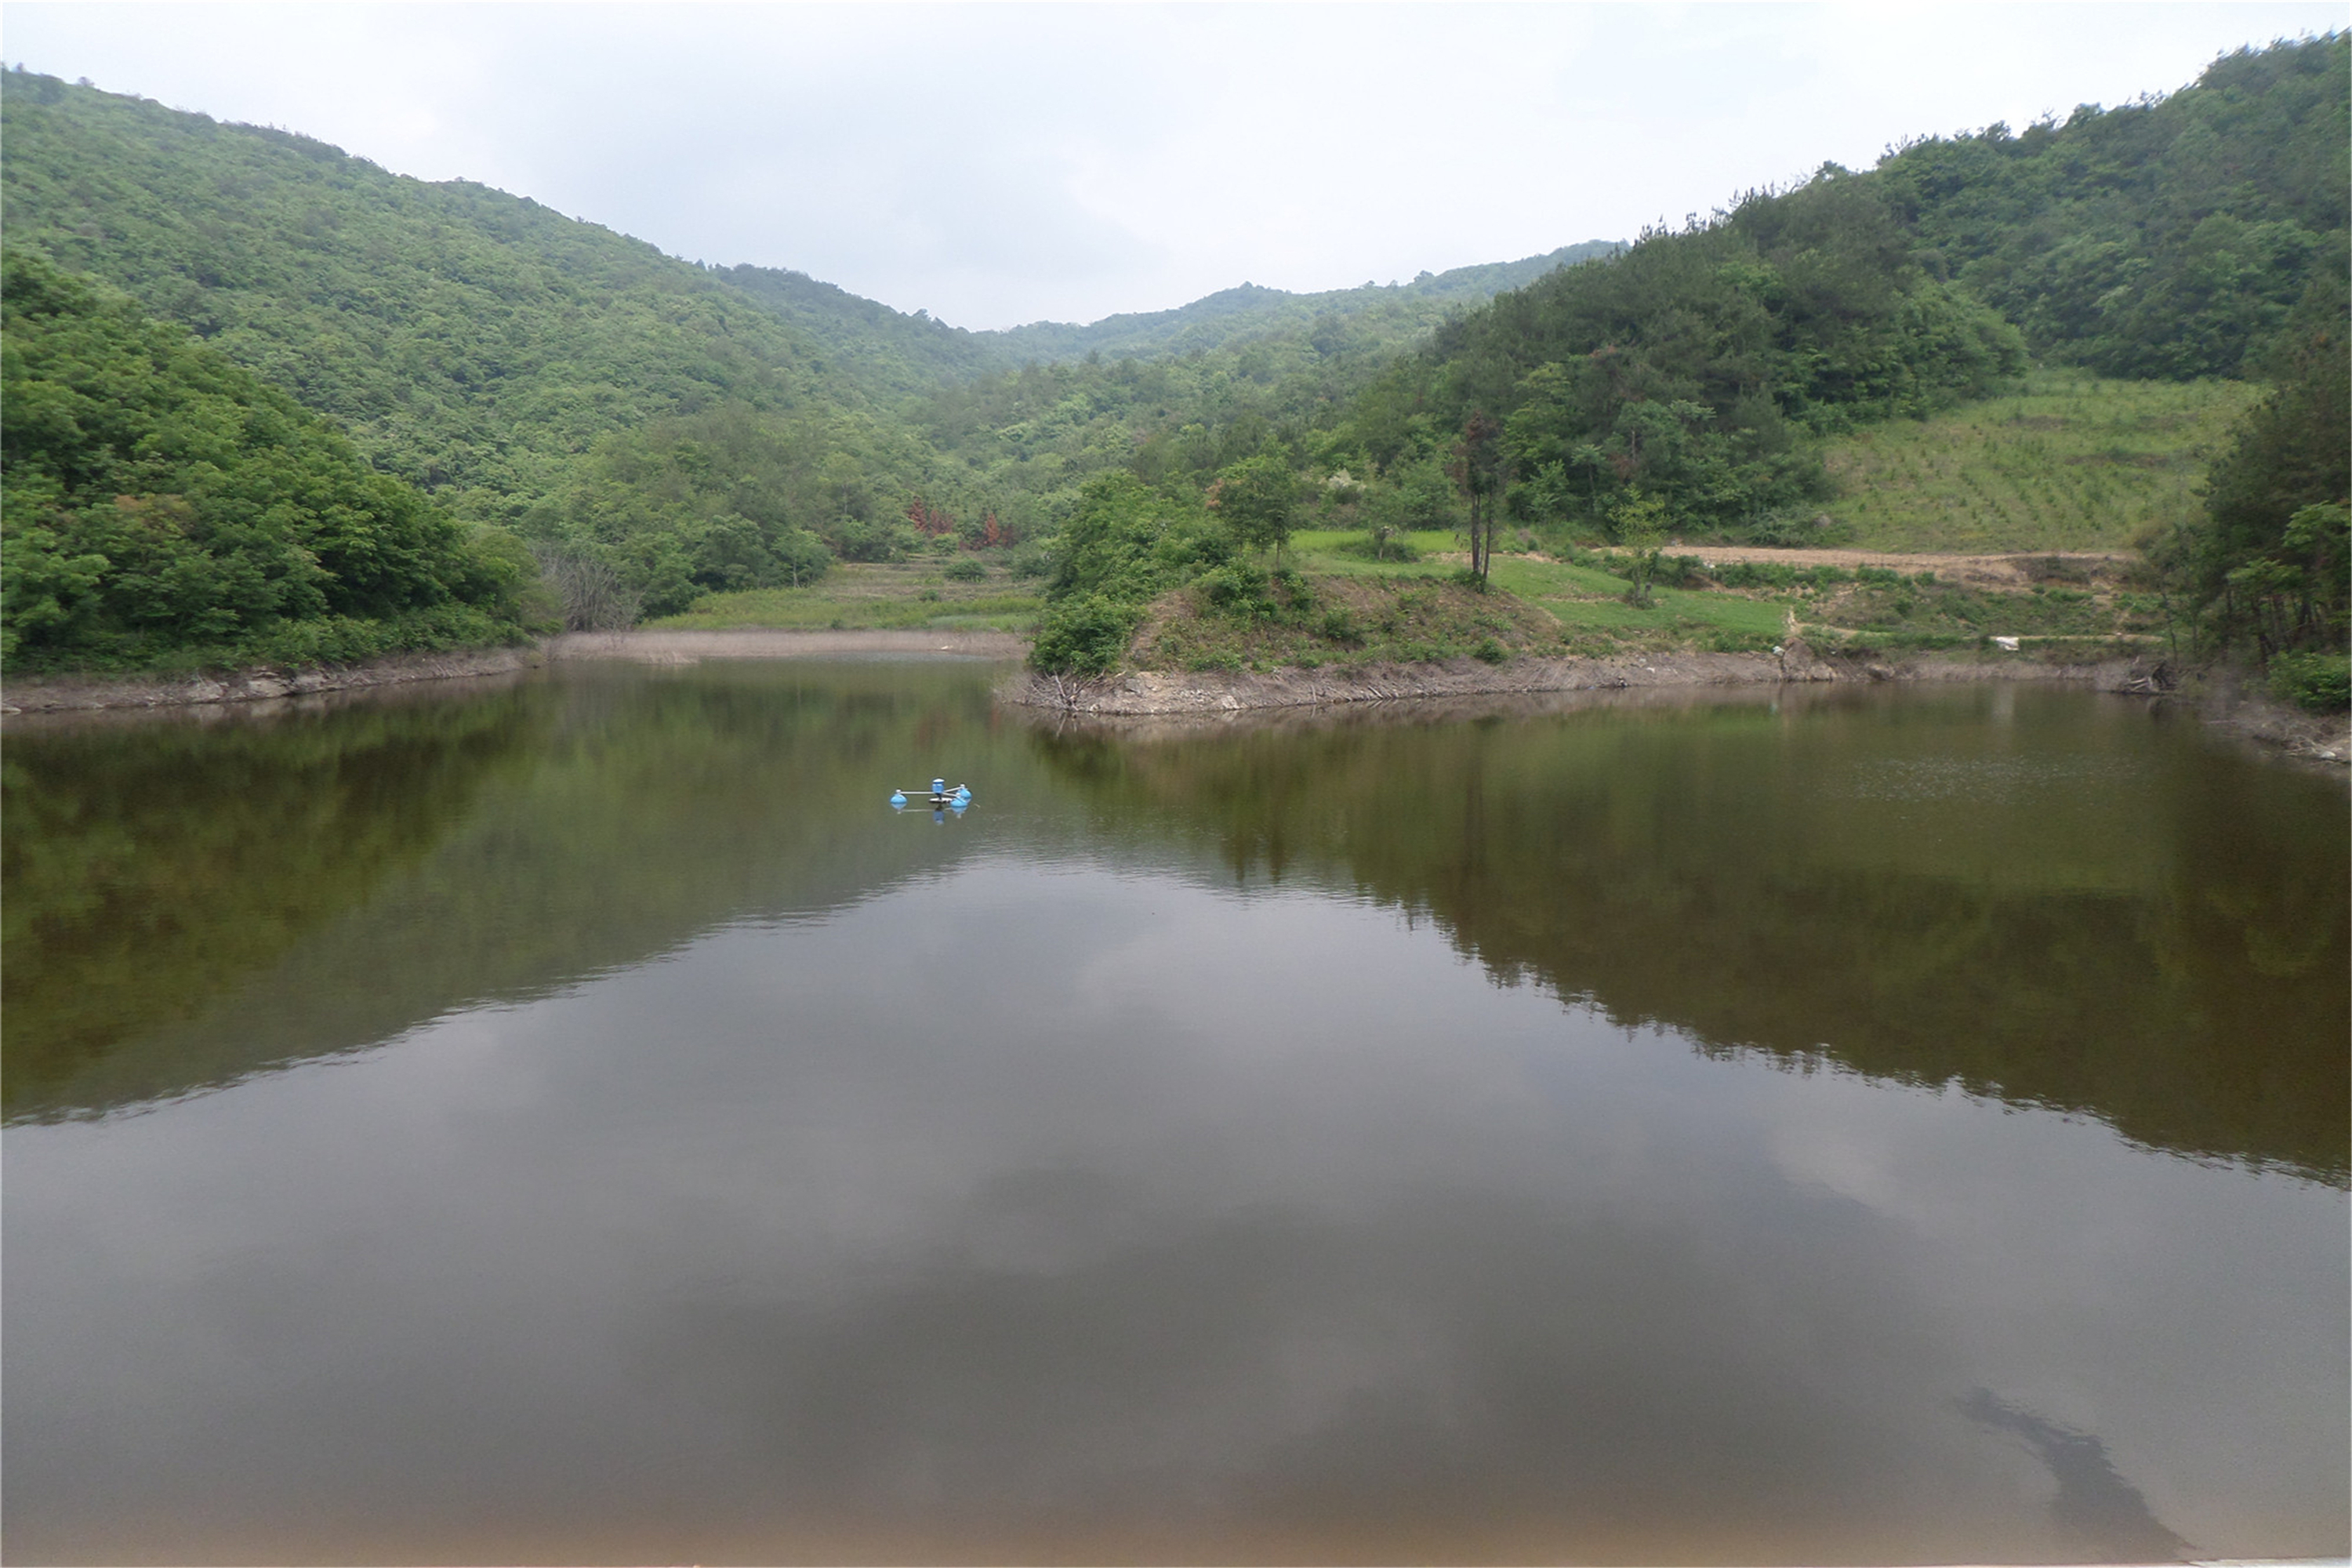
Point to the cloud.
(1000, 164)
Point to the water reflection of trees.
(2050, 904)
(149, 870)
(2042, 898)
(188, 905)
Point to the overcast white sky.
(1004, 163)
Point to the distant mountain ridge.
(835, 316)
(1215, 320)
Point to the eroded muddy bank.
(1155, 692)
(63, 694)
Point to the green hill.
(902, 353)
(2172, 237)
(604, 400)
(473, 342)
(162, 504)
(2168, 237)
(894, 353)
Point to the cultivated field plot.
(2074, 461)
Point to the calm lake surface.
(578, 1119)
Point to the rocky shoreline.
(1156, 695)
(63, 694)
(87, 693)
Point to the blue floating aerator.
(938, 786)
(964, 793)
(897, 797)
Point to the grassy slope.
(864, 596)
(2072, 461)
(1347, 617)
(1413, 610)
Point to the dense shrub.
(1084, 636)
(2319, 681)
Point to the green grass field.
(1583, 599)
(1344, 618)
(866, 596)
(1586, 599)
(2074, 461)
(1337, 552)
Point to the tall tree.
(1639, 524)
(2268, 568)
(1481, 469)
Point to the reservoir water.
(578, 1119)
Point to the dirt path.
(2005, 570)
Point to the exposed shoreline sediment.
(88, 693)
(2218, 698)
(1154, 697)
(1154, 693)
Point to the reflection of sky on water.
(1062, 1204)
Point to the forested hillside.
(896, 353)
(916, 353)
(1694, 367)
(473, 342)
(520, 367)
(2169, 238)
(1687, 385)
(1179, 395)
(163, 504)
